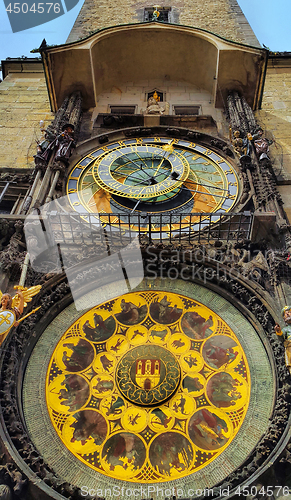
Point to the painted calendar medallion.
(149, 386)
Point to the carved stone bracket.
(16, 177)
(240, 114)
(69, 112)
(54, 151)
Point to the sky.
(269, 20)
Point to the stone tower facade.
(224, 17)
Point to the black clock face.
(153, 176)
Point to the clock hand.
(203, 192)
(126, 172)
(138, 179)
(168, 148)
(163, 158)
(207, 185)
(136, 164)
(158, 167)
(135, 206)
(142, 160)
(162, 173)
(131, 178)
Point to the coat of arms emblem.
(147, 374)
(7, 320)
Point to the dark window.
(165, 14)
(187, 110)
(123, 110)
(6, 206)
(11, 197)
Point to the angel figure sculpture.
(12, 308)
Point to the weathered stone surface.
(23, 103)
(222, 17)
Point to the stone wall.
(175, 93)
(275, 118)
(23, 103)
(222, 17)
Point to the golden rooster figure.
(12, 308)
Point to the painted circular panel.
(171, 453)
(148, 375)
(123, 455)
(209, 429)
(74, 354)
(68, 391)
(162, 389)
(85, 431)
(98, 327)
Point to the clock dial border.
(80, 194)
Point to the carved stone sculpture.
(59, 146)
(5, 492)
(154, 108)
(240, 145)
(261, 145)
(156, 15)
(65, 143)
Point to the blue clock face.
(153, 175)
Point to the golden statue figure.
(240, 145)
(156, 96)
(12, 308)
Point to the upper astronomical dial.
(142, 171)
(155, 175)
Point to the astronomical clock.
(155, 251)
(165, 388)
(153, 177)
